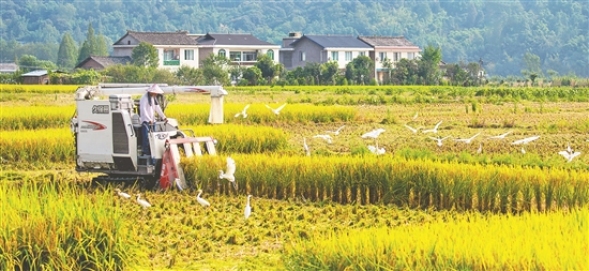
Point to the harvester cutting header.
(110, 130)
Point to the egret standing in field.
(122, 194)
(569, 153)
(201, 201)
(306, 147)
(375, 150)
(277, 110)
(143, 202)
(248, 209)
(229, 173)
(243, 113)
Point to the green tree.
(29, 63)
(266, 65)
(532, 67)
(360, 70)
(145, 55)
(66, 56)
(329, 71)
(252, 75)
(189, 76)
(213, 70)
(429, 65)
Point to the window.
(362, 53)
(348, 56)
(250, 56)
(302, 54)
(270, 54)
(335, 55)
(396, 56)
(188, 54)
(382, 56)
(235, 56)
(168, 54)
(410, 56)
(222, 53)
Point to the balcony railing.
(174, 62)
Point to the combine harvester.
(107, 135)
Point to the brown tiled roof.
(376, 41)
(106, 61)
(231, 39)
(161, 38)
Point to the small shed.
(39, 77)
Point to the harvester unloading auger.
(107, 133)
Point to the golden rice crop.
(35, 117)
(413, 183)
(57, 227)
(531, 241)
(244, 139)
(259, 114)
(42, 89)
(23, 148)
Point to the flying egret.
(143, 202)
(306, 147)
(501, 136)
(433, 130)
(373, 134)
(248, 209)
(468, 140)
(569, 153)
(525, 140)
(375, 150)
(324, 137)
(122, 194)
(229, 173)
(414, 130)
(243, 113)
(203, 202)
(439, 140)
(277, 110)
(336, 132)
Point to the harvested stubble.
(384, 180)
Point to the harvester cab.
(107, 136)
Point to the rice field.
(486, 205)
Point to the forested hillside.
(498, 32)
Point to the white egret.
(306, 147)
(414, 130)
(374, 133)
(569, 153)
(336, 132)
(467, 140)
(324, 137)
(143, 202)
(433, 130)
(439, 140)
(375, 150)
(243, 113)
(178, 183)
(229, 173)
(248, 209)
(415, 116)
(501, 136)
(122, 194)
(201, 201)
(480, 149)
(277, 110)
(525, 140)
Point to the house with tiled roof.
(298, 50)
(175, 49)
(99, 63)
(8, 67)
(240, 49)
(389, 49)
